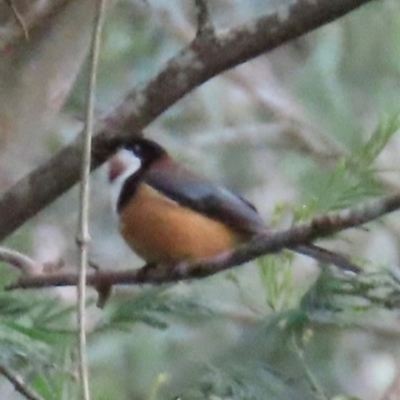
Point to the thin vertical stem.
(83, 233)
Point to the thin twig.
(19, 18)
(315, 385)
(84, 235)
(18, 384)
(36, 18)
(204, 23)
(271, 242)
(25, 264)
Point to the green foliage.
(388, 125)
(353, 293)
(31, 342)
(154, 307)
(353, 179)
(277, 279)
(247, 381)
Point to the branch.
(204, 24)
(201, 60)
(25, 264)
(272, 242)
(18, 384)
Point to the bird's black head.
(146, 150)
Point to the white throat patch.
(131, 165)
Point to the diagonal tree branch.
(204, 58)
(272, 242)
(19, 385)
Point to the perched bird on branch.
(168, 214)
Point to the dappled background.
(308, 128)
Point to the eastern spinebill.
(168, 214)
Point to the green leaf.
(388, 125)
(152, 306)
(276, 276)
(247, 380)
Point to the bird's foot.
(103, 290)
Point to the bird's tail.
(328, 257)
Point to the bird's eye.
(137, 149)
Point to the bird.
(169, 214)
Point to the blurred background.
(308, 128)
